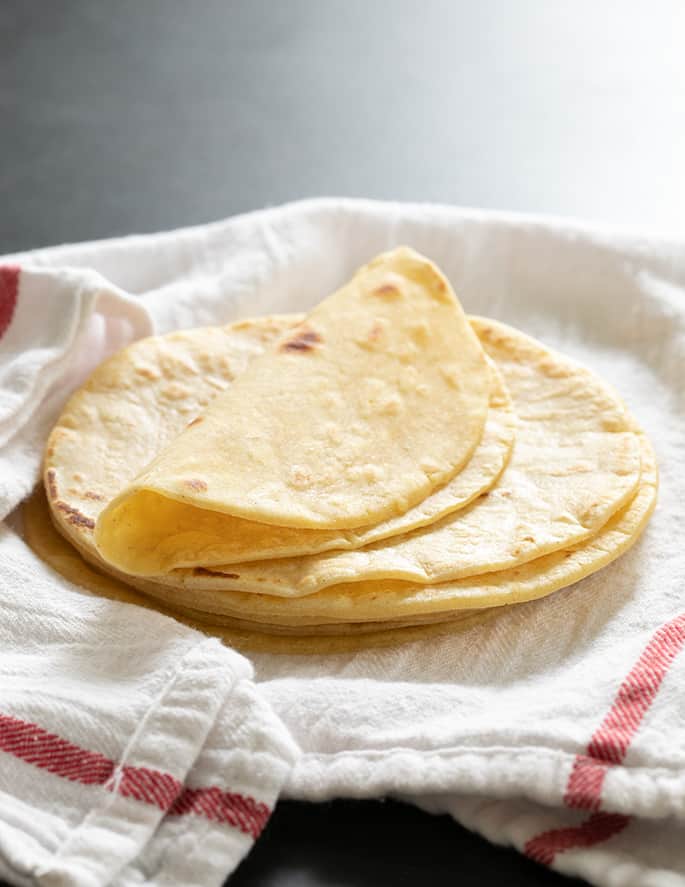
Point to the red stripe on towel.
(608, 747)
(9, 288)
(63, 758)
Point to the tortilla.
(371, 601)
(568, 396)
(575, 463)
(163, 383)
(376, 399)
(48, 544)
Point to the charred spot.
(96, 497)
(203, 571)
(74, 517)
(51, 481)
(484, 495)
(386, 290)
(194, 483)
(304, 340)
(196, 421)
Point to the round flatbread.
(378, 397)
(575, 463)
(138, 401)
(46, 542)
(401, 600)
(522, 361)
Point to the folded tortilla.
(376, 399)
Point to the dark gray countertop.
(142, 116)
(139, 116)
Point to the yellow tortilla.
(360, 601)
(376, 399)
(575, 463)
(569, 398)
(161, 384)
(53, 549)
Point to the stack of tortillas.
(379, 470)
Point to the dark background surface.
(138, 116)
(129, 117)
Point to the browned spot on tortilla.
(196, 421)
(386, 290)
(96, 497)
(375, 332)
(175, 391)
(51, 481)
(484, 495)
(73, 516)
(203, 571)
(303, 340)
(77, 477)
(147, 373)
(196, 484)
(490, 334)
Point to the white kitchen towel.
(558, 728)
(131, 748)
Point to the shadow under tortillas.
(527, 639)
